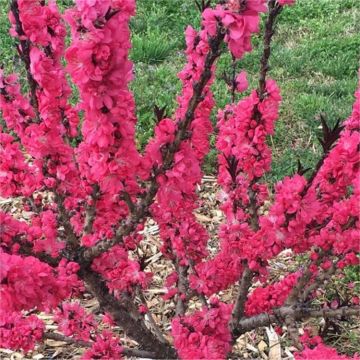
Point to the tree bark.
(126, 316)
(265, 319)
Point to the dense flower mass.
(28, 283)
(18, 332)
(204, 334)
(87, 192)
(273, 296)
(73, 321)
(98, 62)
(121, 273)
(244, 158)
(106, 346)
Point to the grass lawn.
(315, 61)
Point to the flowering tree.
(102, 191)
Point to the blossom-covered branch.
(88, 192)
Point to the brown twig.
(24, 52)
(26, 248)
(125, 196)
(66, 339)
(201, 296)
(274, 11)
(292, 330)
(304, 279)
(320, 279)
(233, 79)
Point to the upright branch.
(142, 207)
(86, 233)
(274, 10)
(245, 282)
(24, 53)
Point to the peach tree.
(102, 190)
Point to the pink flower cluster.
(28, 283)
(106, 346)
(239, 23)
(17, 178)
(244, 158)
(73, 321)
(264, 299)
(322, 351)
(11, 229)
(41, 233)
(41, 24)
(44, 233)
(44, 131)
(183, 237)
(286, 2)
(121, 273)
(16, 109)
(300, 216)
(18, 332)
(100, 181)
(203, 334)
(315, 349)
(97, 61)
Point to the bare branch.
(239, 308)
(265, 319)
(293, 331)
(64, 220)
(66, 339)
(154, 325)
(139, 353)
(274, 11)
(127, 198)
(182, 289)
(26, 248)
(320, 279)
(304, 279)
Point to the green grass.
(314, 60)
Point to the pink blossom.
(73, 321)
(241, 82)
(204, 334)
(286, 2)
(18, 332)
(106, 346)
